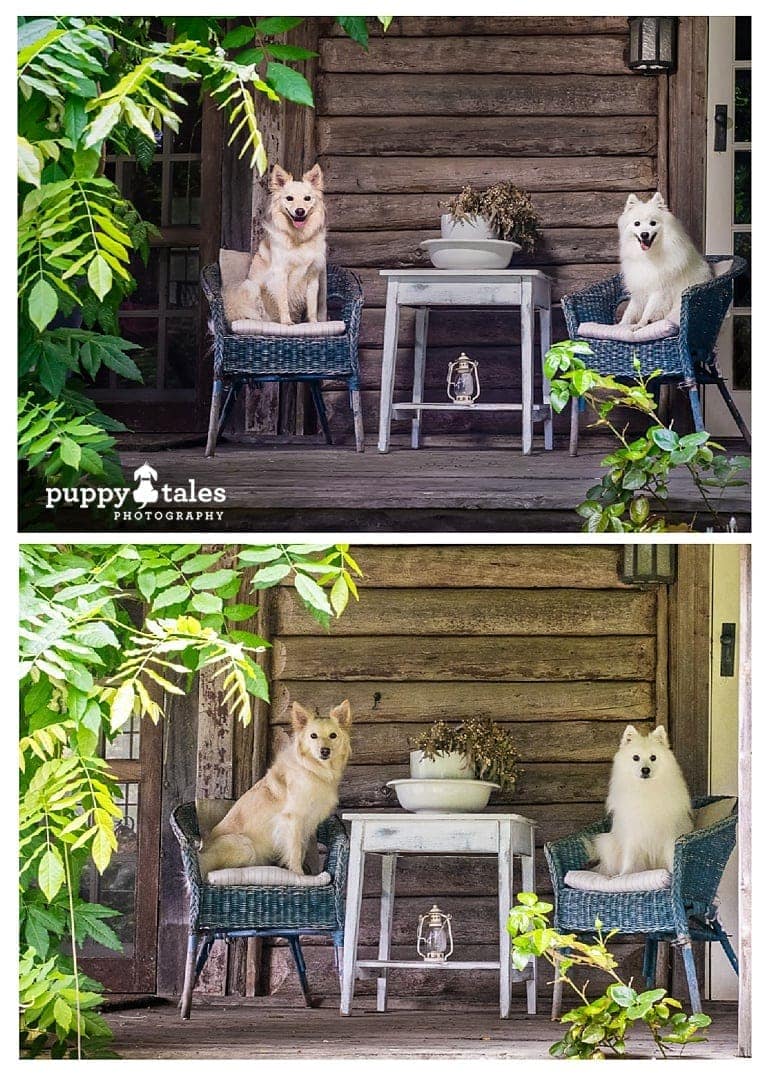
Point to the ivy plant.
(632, 495)
(107, 633)
(597, 1027)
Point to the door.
(129, 884)
(722, 984)
(727, 211)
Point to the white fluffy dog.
(659, 261)
(649, 805)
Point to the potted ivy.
(502, 211)
(476, 749)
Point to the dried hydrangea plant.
(486, 744)
(506, 207)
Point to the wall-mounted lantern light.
(648, 564)
(653, 40)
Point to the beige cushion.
(275, 329)
(712, 813)
(643, 881)
(722, 267)
(265, 875)
(663, 328)
(233, 266)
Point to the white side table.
(422, 289)
(508, 836)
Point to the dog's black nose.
(299, 212)
(645, 235)
(326, 753)
(645, 770)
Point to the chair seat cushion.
(642, 881)
(263, 328)
(266, 875)
(655, 331)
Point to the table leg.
(385, 926)
(527, 365)
(527, 881)
(389, 356)
(545, 341)
(420, 358)
(505, 875)
(352, 916)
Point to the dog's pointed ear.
(628, 735)
(314, 177)
(280, 741)
(342, 714)
(659, 200)
(661, 736)
(279, 178)
(299, 716)
(632, 200)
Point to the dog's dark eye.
(636, 223)
(635, 756)
(313, 735)
(653, 757)
(332, 735)
(289, 198)
(307, 198)
(652, 223)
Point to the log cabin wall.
(438, 103)
(545, 640)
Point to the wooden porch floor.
(312, 487)
(252, 1028)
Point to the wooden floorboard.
(231, 1028)
(319, 487)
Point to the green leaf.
(255, 556)
(664, 438)
(240, 612)
(206, 602)
(312, 593)
(340, 594)
(216, 580)
(355, 27)
(279, 24)
(238, 37)
(289, 52)
(177, 594)
(42, 303)
(269, 576)
(622, 995)
(50, 874)
(70, 453)
(100, 276)
(289, 83)
(101, 850)
(30, 162)
(122, 706)
(63, 1014)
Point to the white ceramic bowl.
(443, 796)
(470, 254)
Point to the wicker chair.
(689, 358)
(683, 913)
(237, 911)
(240, 360)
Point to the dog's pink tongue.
(299, 224)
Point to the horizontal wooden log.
(573, 612)
(436, 174)
(479, 55)
(413, 210)
(421, 703)
(513, 659)
(454, 137)
(485, 95)
(585, 740)
(468, 25)
(389, 248)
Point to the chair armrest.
(699, 859)
(211, 283)
(572, 852)
(704, 308)
(186, 830)
(596, 303)
(333, 834)
(345, 287)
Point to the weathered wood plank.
(485, 95)
(469, 25)
(418, 703)
(454, 137)
(479, 55)
(513, 659)
(402, 248)
(436, 174)
(499, 611)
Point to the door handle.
(720, 116)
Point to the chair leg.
(229, 401)
(736, 415)
(694, 401)
(650, 962)
(726, 945)
(687, 952)
(213, 420)
(189, 976)
(555, 1012)
(320, 408)
(357, 415)
(296, 951)
(574, 428)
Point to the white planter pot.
(475, 228)
(441, 767)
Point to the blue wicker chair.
(683, 913)
(689, 358)
(242, 911)
(240, 359)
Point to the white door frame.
(719, 227)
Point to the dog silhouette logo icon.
(145, 492)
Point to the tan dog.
(289, 269)
(275, 819)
